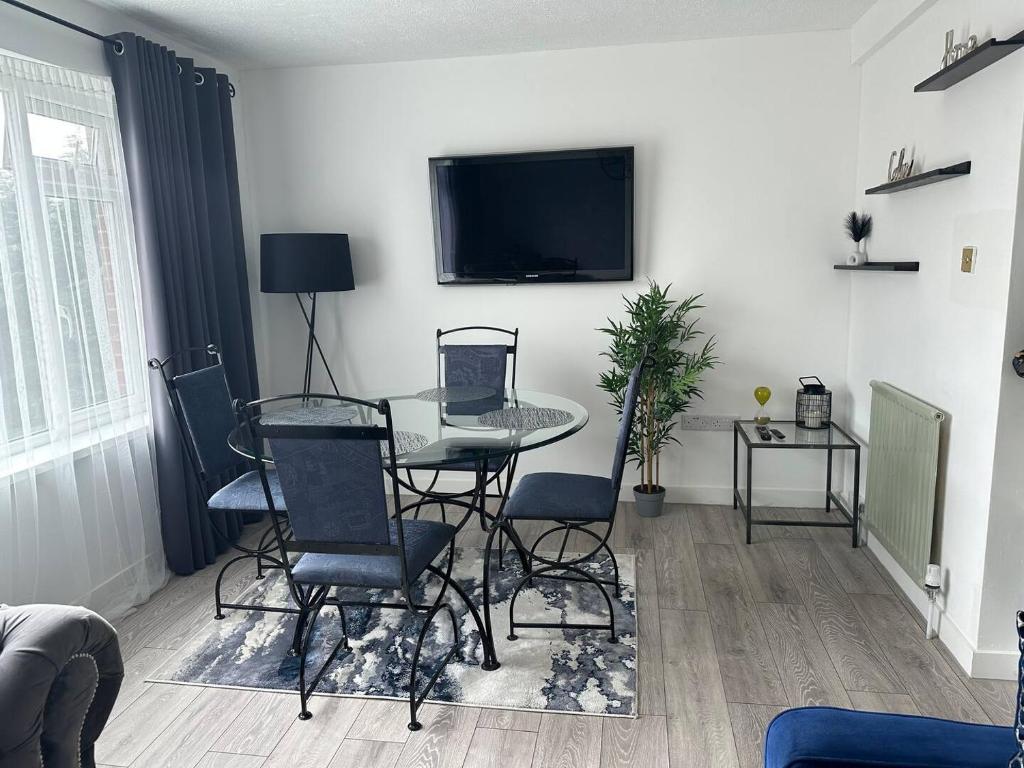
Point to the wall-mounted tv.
(534, 217)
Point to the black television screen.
(534, 217)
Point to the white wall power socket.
(706, 423)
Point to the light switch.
(967, 258)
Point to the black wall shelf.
(985, 54)
(882, 266)
(921, 179)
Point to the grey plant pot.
(649, 504)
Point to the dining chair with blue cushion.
(489, 369)
(826, 737)
(205, 417)
(574, 503)
(346, 533)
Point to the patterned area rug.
(551, 670)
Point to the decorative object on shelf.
(901, 170)
(858, 227)
(309, 263)
(954, 53)
(813, 404)
(661, 328)
(983, 55)
(762, 395)
(921, 179)
(1018, 363)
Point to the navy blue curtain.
(179, 148)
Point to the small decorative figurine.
(762, 395)
(900, 170)
(954, 53)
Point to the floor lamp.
(306, 263)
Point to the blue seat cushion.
(561, 496)
(245, 493)
(820, 737)
(424, 540)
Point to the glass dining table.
(455, 427)
(473, 429)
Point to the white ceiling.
(276, 33)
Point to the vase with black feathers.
(858, 226)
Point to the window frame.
(121, 413)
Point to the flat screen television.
(534, 217)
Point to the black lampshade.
(305, 263)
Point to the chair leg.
(416, 701)
(316, 603)
(220, 578)
(300, 621)
(488, 650)
(580, 574)
(314, 612)
(611, 556)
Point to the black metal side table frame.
(826, 443)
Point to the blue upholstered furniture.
(823, 737)
(574, 502)
(482, 367)
(346, 532)
(60, 671)
(205, 416)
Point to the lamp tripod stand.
(311, 342)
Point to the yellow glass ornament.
(762, 395)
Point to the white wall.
(745, 157)
(939, 334)
(1003, 587)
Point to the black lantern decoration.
(813, 404)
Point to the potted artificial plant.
(858, 228)
(662, 328)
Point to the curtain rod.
(117, 44)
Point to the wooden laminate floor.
(730, 635)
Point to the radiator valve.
(932, 584)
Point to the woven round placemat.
(312, 415)
(525, 418)
(455, 394)
(405, 442)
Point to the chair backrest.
(202, 408)
(206, 407)
(626, 425)
(476, 365)
(332, 479)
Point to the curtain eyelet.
(118, 46)
(200, 78)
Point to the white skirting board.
(994, 665)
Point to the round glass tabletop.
(449, 425)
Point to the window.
(71, 353)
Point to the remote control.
(778, 434)
(764, 434)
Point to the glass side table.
(829, 439)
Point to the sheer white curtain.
(79, 521)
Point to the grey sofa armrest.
(60, 672)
